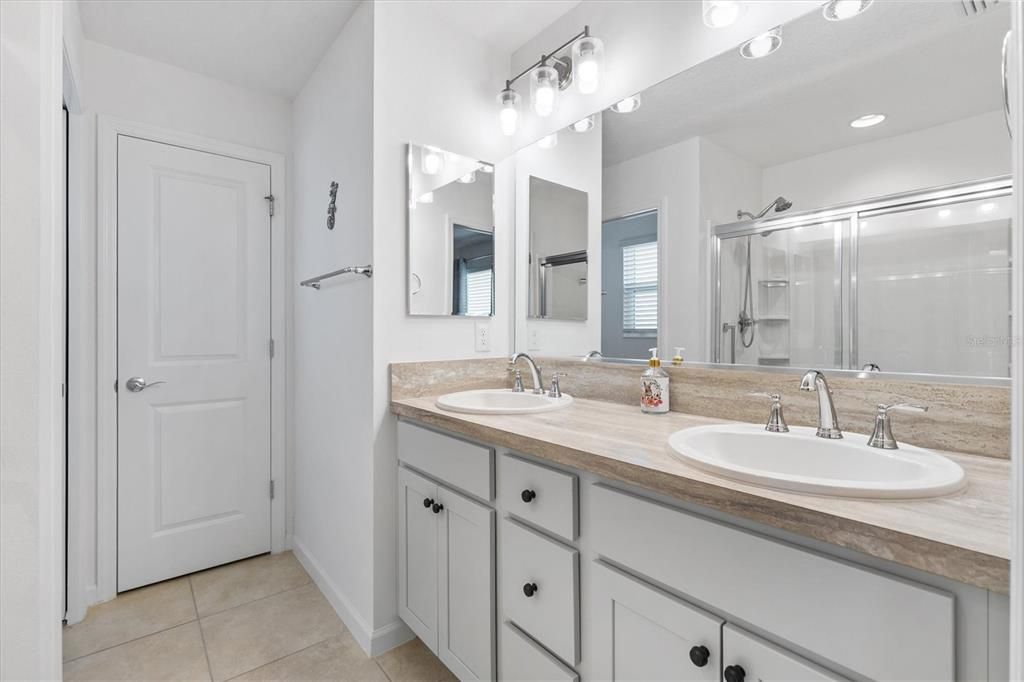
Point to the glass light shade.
(544, 89)
(583, 125)
(508, 115)
(720, 13)
(762, 45)
(427, 198)
(837, 10)
(587, 64)
(627, 105)
(548, 141)
(431, 160)
(468, 178)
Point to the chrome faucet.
(828, 425)
(882, 436)
(776, 421)
(538, 384)
(592, 355)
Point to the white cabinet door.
(642, 633)
(523, 660)
(418, 555)
(751, 659)
(466, 637)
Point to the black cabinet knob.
(427, 502)
(699, 656)
(437, 507)
(530, 589)
(734, 673)
(528, 496)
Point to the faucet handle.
(881, 436)
(776, 420)
(556, 389)
(517, 379)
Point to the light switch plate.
(483, 337)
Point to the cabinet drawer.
(765, 662)
(463, 465)
(878, 625)
(523, 659)
(540, 588)
(539, 495)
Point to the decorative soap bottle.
(654, 386)
(677, 359)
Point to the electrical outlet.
(483, 337)
(533, 339)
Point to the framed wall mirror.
(842, 202)
(450, 234)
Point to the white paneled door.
(193, 332)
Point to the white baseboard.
(373, 642)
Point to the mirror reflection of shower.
(745, 321)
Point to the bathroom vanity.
(571, 544)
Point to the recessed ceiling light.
(945, 213)
(720, 13)
(837, 10)
(762, 45)
(867, 120)
(583, 125)
(627, 105)
(548, 141)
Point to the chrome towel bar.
(365, 270)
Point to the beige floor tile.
(413, 661)
(228, 586)
(132, 615)
(338, 658)
(254, 634)
(175, 654)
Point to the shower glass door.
(790, 286)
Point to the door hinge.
(270, 347)
(271, 488)
(270, 202)
(115, 385)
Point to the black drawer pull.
(699, 656)
(437, 508)
(427, 502)
(734, 673)
(528, 496)
(530, 589)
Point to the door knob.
(136, 384)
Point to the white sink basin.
(501, 401)
(802, 462)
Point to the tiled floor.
(258, 619)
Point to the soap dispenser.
(654, 386)
(677, 359)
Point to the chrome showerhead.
(779, 205)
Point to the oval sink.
(501, 401)
(802, 462)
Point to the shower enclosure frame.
(846, 250)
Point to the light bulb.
(508, 115)
(468, 178)
(548, 141)
(720, 13)
(544, 89)
(762, 45)
(867, 120)
(838, 10)
(427, 198)
(587, 59)
(626, 105)
(432, 160)
(583, 125)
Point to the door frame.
(108, 130)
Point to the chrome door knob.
(137, 384)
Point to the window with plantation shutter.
(640, 289)
(478, 292)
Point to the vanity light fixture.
(762, 45)
(548, 141)
(837, 10)
(720, 13)
(867, 120)
(427, 198)
(583, 125)
(468, 178)
(627, 105)
(553, 73)
(431, 160)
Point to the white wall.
(969, 149)
(31, 335)
(123, 85)
(332, 327)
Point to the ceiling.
(274, 45)
(271, 45)
(922, 64)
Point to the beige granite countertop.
(965, 536)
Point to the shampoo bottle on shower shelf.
(654, 386)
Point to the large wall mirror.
(842, 203)
(558, 251)
(451, 233)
